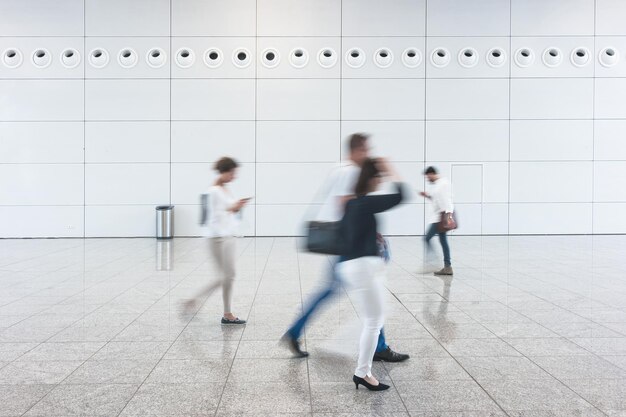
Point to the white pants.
(223, 250)
(364, 280)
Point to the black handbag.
(324, 237)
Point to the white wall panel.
(291, 99)
(41, 142)
(468, 183)
(212, 99)
(41, 221)
(127, 18)
(551, 182)
(41, 100)
(456, 46)
(299, 18)
(127, 142)
(209, 141)
(566, 46)
(389, 18)
(610, 17)
(609, 143)
(609, 218)
(467, 99)
(298, 141)
(467, 140)
(552, 140)
(610, 98)
(116, 184)
(405, 219)
(470, 218)
(552, 17)
(281, 220)
(41, 18)
(560, 218)
(371, 45)
(382, 99)
(552, 98)
(227, 46)
(283, 47)
(609, 181)
(129, 220)
(495, 219)
(115, 45)
(214, 18)
(127, 100)
(191, 180)
(54, 46)
(399, 141)
(470, 18)
(291, 183)
(41, 184)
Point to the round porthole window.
(98, 58)
(327, 58)
(608, 57)
(127, 58)
(41, 58)
(185, 58)
(299, 57)
(552, 57)
(440, 57)
(524, 57)
(156, 57)
(241, 58)
(468, 57)
(270, 58)
(411, 57)
(383, 58)
(213, 57)
(12, 58)
(355, 58)
(70, 58)
(580, 57)
(496, 57)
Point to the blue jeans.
(443, 239)
(295, 331)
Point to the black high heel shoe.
(362, 381)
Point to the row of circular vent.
(299, 57)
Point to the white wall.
(88, 151)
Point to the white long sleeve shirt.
(343, 181)
(222, 221)
(440, 199)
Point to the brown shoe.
(447, 270)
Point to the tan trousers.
(223, 251)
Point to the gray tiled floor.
(528, 326)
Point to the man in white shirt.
(440, 197)
(344, 181)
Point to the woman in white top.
(223, 208)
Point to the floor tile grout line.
(167, 294)
(103, 346)
(269, 252)
(308, 370)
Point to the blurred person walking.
(362, 268)
(441, 218)
(343, 182)
(222, 229)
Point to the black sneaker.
(294, 346)
(389, 355)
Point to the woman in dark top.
(363, 268)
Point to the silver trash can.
(164, 222)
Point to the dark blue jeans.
(443, 239)
(295, 331)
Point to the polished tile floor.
(528, 326)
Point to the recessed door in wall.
(467, 194)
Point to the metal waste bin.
(164, 222)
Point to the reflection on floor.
(528, 326)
